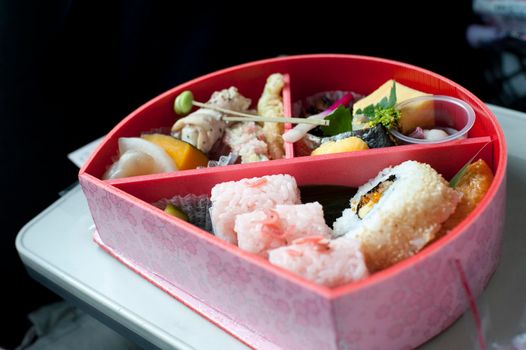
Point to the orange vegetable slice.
(183, 154)
(349, 144)
(473, 184)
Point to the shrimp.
(270, 104)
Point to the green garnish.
(175, 211)
(454, 181)
(340, 121)
(384, 112)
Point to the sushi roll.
(230, 199)
(326, 262)
(266, 229)
(397, 213)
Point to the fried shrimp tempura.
(270, 104)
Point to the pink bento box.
(398, 308)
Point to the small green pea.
(183, 102)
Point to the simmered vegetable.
(183, 154)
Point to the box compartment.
(239, 285)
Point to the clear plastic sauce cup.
(449, 113)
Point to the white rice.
(232, 198)
(262, 230)
(326, 262)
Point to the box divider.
(350, 169)
(287, 111)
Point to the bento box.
(399, 307)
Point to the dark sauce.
(333, 198)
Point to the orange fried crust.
(474, 184)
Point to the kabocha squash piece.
(183, 154)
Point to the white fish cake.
(326, 262)
(261, 230)
(233, 198)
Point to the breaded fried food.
(270, 104)
(473, 185)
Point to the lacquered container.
(264, 306)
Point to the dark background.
(70, 70)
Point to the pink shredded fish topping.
(289, 232)
(322, 244)
(310, 239)
(272, 218)
(256, 183)
(323, 247)
(272, 224)
(294, 253)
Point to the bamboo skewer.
(243, 117)
(257, 118)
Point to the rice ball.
(326, 262)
